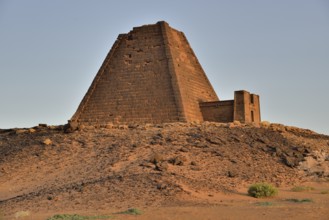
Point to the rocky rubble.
(126, 165)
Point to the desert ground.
(167, 171)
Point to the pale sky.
(50, 51)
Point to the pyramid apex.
(163, 22)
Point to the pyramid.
(150, 75)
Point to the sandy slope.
(156, 167)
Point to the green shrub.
(301, 188)
(325, 192)
(260, 190)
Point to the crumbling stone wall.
(220, 111)
(244, 108)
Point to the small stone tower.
(151, 75)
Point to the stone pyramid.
(151, 75)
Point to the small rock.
(184, 149)
(161, 166)
(123, 127)
(289, 153)
(196, 168)
(263, 140)
(47, 141)
(161, 186)
(109, 125)
(231, 173)
(31, 130)
(234, 161)
(265, 124)
(179, 160)
(231, 125)
(156, 158)
(147, 165)
(237, 123)
(132, 126)
(71, 127)
(290, 161)
(81, 127)
(278, 151)
(20, 131)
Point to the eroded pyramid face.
(151, 75)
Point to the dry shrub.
(261, 190)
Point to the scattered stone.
(263, 140)
(147, 165)
(81, 127)
(265, 124)
(156, 158)
(132, 126)
(47, 141)
(109, 125)
(21, 131)
(234, 161)
(232, 173)
(237, 123)
(31, 130)
(123, 127)
(71, 127)
(161, 186)
(179, 160)
(161, 166)
(231, 125)
(278, 151)
(196, 168)
(147, 174)
(290, 161)
(184, 149)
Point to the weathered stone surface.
(151, 75)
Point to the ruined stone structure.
(244, 108)
(151, 75)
